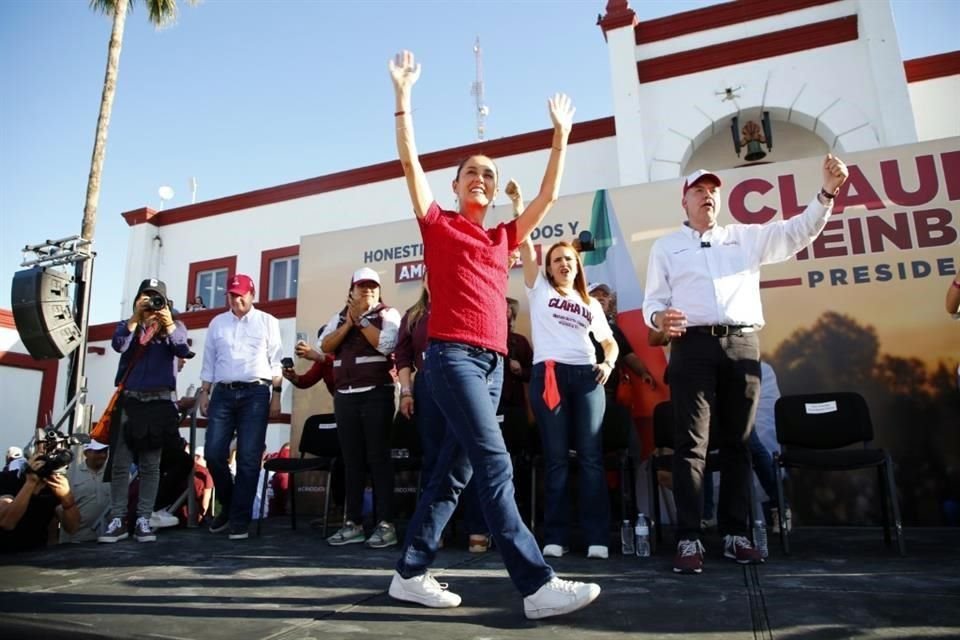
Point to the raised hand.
(834, 173)
(561, 112)
(405, 71)
(513, 191)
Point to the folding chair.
(319, 439)
(406, 451)
(816, 431)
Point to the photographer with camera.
(149, 344)
(29, 501)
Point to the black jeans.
(713, 380)
(364, 421)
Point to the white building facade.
(828, 72)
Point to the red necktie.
(551, 395)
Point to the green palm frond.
(162, 13)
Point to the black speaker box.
(43, 312)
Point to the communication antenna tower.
(477, 92)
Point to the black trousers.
(714, 386)
(364, 421)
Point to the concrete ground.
(286, 585)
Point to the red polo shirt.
(467, 266)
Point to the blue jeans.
(244, 413)
(580, 415)
(432, 426)
(465, 382)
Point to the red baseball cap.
(240, 284)
(697, 176)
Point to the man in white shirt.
(241, 365)
(703, 291)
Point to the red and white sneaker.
(689, 558)
(741, 550)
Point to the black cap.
(152, 284)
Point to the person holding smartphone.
(322, 368)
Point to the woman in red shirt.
(463, 364)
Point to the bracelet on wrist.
(826, 194)
(399, 113)
(278, 389)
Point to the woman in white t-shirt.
(566, 393)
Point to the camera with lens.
(55, 451)
(157, 302)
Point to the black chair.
(406, 450)
(319, 439)
(617, 424)
(663, 433)
(523, 444)
(817, 431)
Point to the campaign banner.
(861, 309)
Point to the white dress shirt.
(720, 284)
(242, 349)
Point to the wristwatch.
(364, 323)
(278, 389)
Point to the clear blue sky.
(246, 94)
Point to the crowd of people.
(454, 367)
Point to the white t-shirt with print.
(561, 325)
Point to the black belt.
(242, 385)
(722, 330)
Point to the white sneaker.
(558, 597)
(162, 519)
(555, 551)
(597, 551)
(423, 589)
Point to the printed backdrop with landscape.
(860, 310)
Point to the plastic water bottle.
(191, 390)
(760, 537)
(626, 539)
(641, 537)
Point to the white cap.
(365, 274)
(596, 285)
(14, 452)
(93, 445)
(699, 175)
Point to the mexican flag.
(610, 262)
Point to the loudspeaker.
(43, 312)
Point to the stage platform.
(287, 585)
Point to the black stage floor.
(286, 585)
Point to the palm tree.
(161, 13)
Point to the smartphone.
(286, 363)
(302, 336)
